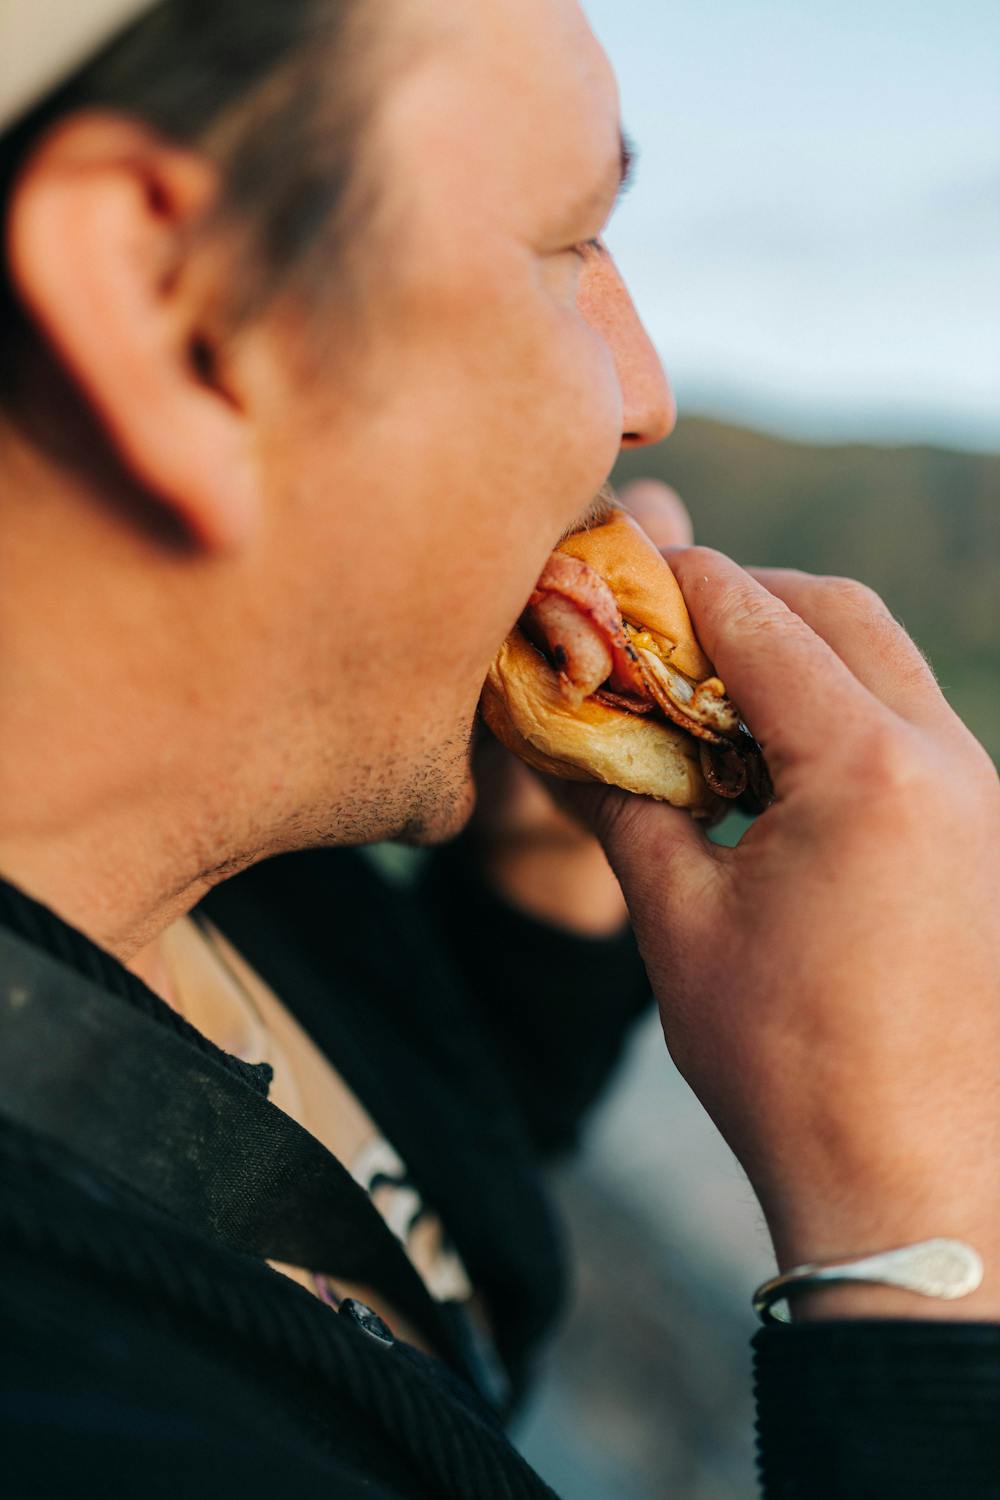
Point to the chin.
(445, 819)
(437, 793)
(404, 798)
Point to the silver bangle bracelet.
(934, 1268)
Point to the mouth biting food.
(603, 679)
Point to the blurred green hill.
(919, 524)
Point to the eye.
(585, 248)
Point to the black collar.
(41, 927)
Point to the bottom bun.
(524, 706)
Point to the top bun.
(646, 591)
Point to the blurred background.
(814, 242)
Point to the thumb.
(668, 871)
(660, 512)
(658, 852)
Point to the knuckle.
(754, 612)
(891, 766)
(887, 639)
(852, 597)
(915, 673)
(981, 776)
(703, 557)
(802, 581)
(899, 652)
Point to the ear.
(99, 245)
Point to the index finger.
(791, 687)
(859, 627)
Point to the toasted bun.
(642, 582)
(525, 708)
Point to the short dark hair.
(269, 89)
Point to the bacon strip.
(594, 615)
(574, 617)
(576, 646)
(623, 702)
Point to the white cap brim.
(42, 42)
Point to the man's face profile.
(490, 384)
(359, 498)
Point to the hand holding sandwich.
(830, 989)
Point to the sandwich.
(603, 679)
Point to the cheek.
(518, 400)
(585, 409)
(535, 444)
(506, 375)
(483, 424)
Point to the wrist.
(859, 1303)
(857, 1237)
(859, 1181)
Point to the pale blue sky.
(814, 234)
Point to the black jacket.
(145, 1355)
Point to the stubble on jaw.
(414, 801)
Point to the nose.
(649, 410)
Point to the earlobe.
(99, 226)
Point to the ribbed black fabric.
(879, 1411)
(433, 1435)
